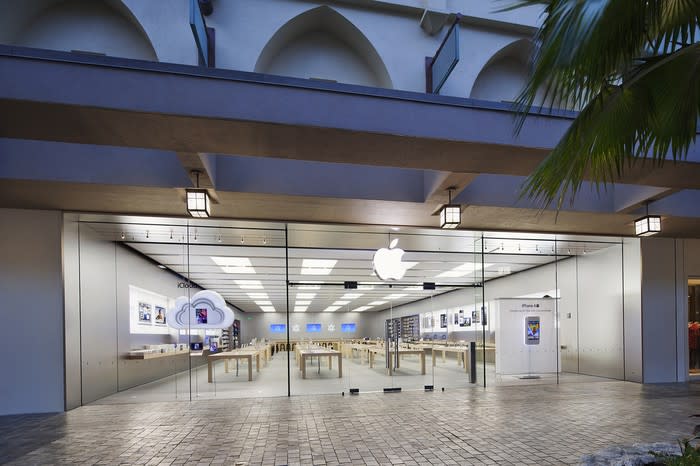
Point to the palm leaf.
(654, 114)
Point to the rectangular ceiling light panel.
(234, 264)
(361, 308)
(249, 284)
(317, 266)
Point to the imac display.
(196, 346)
(213, 347)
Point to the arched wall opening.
(505, 74)
(323, 44)
(104, 27)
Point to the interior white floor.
(271, 380)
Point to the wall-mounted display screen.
(196, 346)
(351, 327)
(313, 327)
(532, 330)
(278, 328)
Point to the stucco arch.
(106, 27)
(322, 43)
(504, 75)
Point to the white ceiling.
(187, 248)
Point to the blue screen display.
(278, 328)
(348, 327)
(313, 327)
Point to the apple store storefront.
(169, 309)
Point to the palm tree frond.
(653, 113)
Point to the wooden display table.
(281, 345)
(304, 354)
(242, 353)
(148, 354)
(402, 351)
(462, 354)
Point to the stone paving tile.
(499, 425)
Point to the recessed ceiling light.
(462, 270)
(413, 288)
(377, 303)
(161, 266)
(258, 296)
(263, 303)
(331, 308)
(249, 284)
(268, 308)
(300, 308)
(317, 266)
(341, 303)
(302, 303)
(306, 295)
(234, 264)
(365, 287)
(395, 296)
(351, 296)
(361, 308)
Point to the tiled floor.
(554, 424)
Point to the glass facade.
(316, 309)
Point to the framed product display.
(201, 315)
(476, 318)
(532, 330)
(313, 328)
(443, 320)
(160, 315)
(148, 311)
(144, 312)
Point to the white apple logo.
(387, 262)
(331, 327)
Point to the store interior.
(332, 308)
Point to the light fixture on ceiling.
(450, 214)
(161, 266)
(647, 225)
(198, 199)
(123, 235)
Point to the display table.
(462, 354)
(281, 345)
(149, 354)
(242, 353)
(304, 354)
(402, 351)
